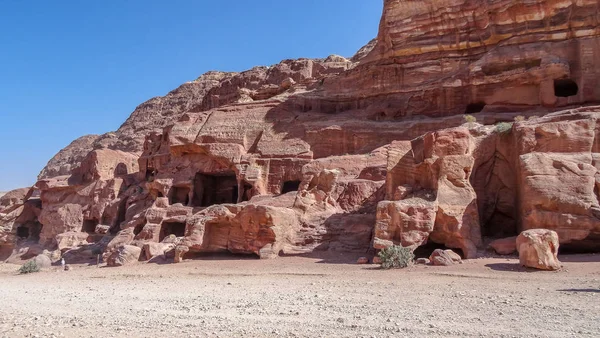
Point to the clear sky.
(70, 68)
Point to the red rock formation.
(350, 154)
(538, 248)
(443, 57)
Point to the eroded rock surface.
(348, 154)
(538, 248)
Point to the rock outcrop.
(444, 57)
(538, 248)
(348, 154)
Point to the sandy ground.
(303, 297)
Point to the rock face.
(505, 246)
(443, 57)
(349, 154)
(538, 248)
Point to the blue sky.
(70, 68)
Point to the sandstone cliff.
(349, 154)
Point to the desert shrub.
(519, 118)
(29, 267)
(503, 127)
(470, 119)
(396, 256)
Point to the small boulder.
(376, 260)
(362, 260)
(53, 255)
(180, 250)
(505, 246)
(453, 255)
(287, 83)
(171, 239)
(125, 254)
(43, 261)
(102, 229)
(538, 248)
(423, 261)
(441, 257)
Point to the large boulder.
(124, 255)
(538, 248)
(70, 240)
(152, 250)
(444, 257)
(43, 261)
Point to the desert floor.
(303, 297)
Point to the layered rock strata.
(347, 154)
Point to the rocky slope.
(347, 154)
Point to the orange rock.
(505, 246)
(441, 258)
(124, 255)
(294, 157)
(538, 248)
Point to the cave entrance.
(150, 173)
(425, 250)
(23, 232)
(89, 226)
(30, 231)
(121, 215)
(565, 88)
(121, 170)
(475, 108)
(247, 193)
(171, 228)
(289, 186)
(499, 225)
(179, 195)
(210, 189)
(138, 229)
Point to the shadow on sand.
(580, 290)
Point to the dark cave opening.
(23, 232)
(425, 250)
(247, 193)
(289, 186)
(138, 229)
(121, 170)
(89, 226)
(121, 215)
(30, 231)
(565, 88)
(475, 108)
(171, 228)
(211, 189)
(179, 195)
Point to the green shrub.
(29, 267)
(396, 256)
(470, 119)
(503, 127)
